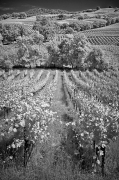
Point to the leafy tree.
(96, 60)
(109, 20)
(98, 7)
(75, 26)
(64, 26)
(116, 9)
(5, 16)
(80, 17)
(1, 27)
(22, 15)
(69, 30)
(11, 31)
(37, 38)
(113, 20)
(62, 17)
(73, 52)
(42, 21)
(117, 20)
(15, 15)
(1, 38)
(53, 51)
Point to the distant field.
(108, 35)
(29, 19)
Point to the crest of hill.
(38, 11)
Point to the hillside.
(38, 11)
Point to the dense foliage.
(76, 53)
(11, 31)
(38, 11)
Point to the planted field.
(81, 92)
(108, 35)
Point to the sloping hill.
(36, 11)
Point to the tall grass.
(49, 163)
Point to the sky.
(9, 6)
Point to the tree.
(109, 20)
(37, 37)
(75, 26)
(73, 52)
(69, 30)
(98, 7)
(117, 20)
(53, 51)
(96, 60)
(15, 15)
(62, 17)
(10, 32)
(80, 17)
(5, 16)
(42, 21)
(1, 39)
(22, 15)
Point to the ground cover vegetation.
(60, 121)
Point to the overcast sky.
(9, 6)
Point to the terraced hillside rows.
(108, 35)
